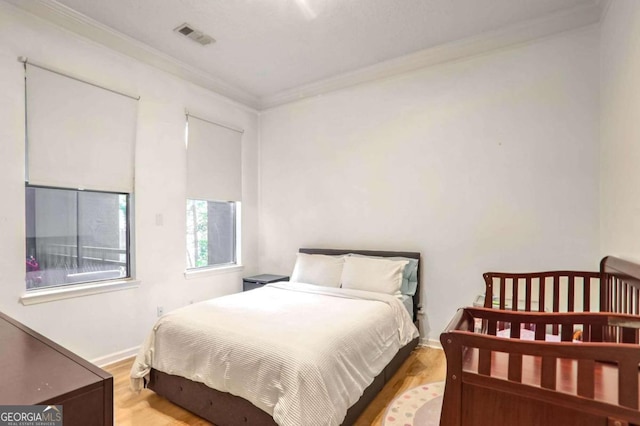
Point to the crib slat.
(586, 294)
(604, 292)
(491, 327)
(586, 377)
(514, 297)
(556, 293)
(618, 296)
(484, 355)
(515, 330)
(617, 302)
(502, 292)
(567, 333)
(628, 383)
(527, 302)
(556, 301)
(548, 378)
(541, 286)
(571, 293)
(611, 295)
(540, 332)
(515, 367)
(484, 362)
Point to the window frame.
(76, 289)
(237, 251)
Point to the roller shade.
(214, 161)
(79, 135)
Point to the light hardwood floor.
(424, 365)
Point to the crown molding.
(556, 23)
(69, 19)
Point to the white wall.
(485, 163)
(488, 163)
(619, 131)
(99, 325)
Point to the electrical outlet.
(160, 310)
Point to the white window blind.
(79, 135)
(214, 161)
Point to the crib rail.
(549, 291)
(597, 377)
(615, 288)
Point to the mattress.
(526, 334)
(300, 352)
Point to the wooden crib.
(511, 366)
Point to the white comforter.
(302, 353)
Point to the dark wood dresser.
(37, 371)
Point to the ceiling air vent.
(195, 35)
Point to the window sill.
(206, 272)
(68, 292)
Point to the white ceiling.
(269, 51)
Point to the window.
(211, 233)
(214, 173)
(80, 144)
(75, 236)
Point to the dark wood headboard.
(409, 254)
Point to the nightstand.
(257, 281)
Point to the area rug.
(419, 406)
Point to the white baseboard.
(115, 357)
(430, 343)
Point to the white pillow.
(318, 269)
(379, 275)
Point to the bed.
(272, 356)
(558, 361)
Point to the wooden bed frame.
(506, 381)
(224, 409)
